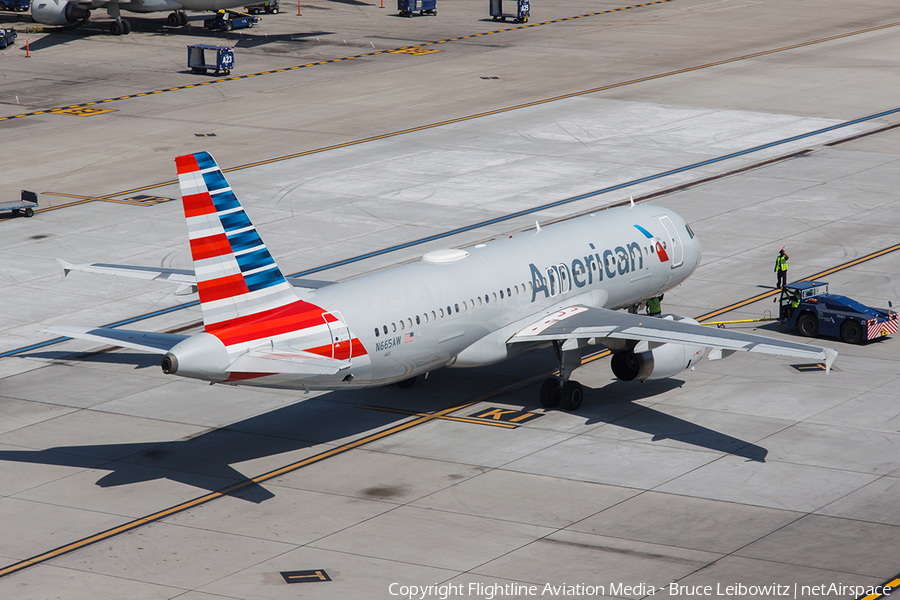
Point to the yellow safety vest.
(781, 263)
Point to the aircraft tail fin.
(236, 276)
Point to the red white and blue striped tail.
(236, 276)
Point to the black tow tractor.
(269, 8)
(523, 9)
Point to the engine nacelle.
(202, 356)
(660, 362)
(59, 12)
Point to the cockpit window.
(689, 230)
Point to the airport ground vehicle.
(15, 5)
(198, 63)
(423, 7)
(7, 37)
(25, 205)
(523, 9)
(819, 313)
(270, 8)
(226, 20)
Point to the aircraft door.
(341, 346)
(677, 251)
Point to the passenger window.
(409, 321)
(418, 322)
(487, 299)
(457, 307)
(495, 296)
(479, 300)
(471, 303)
(377, 333)
(433, 315)
(393, 326)
(449, 312)
(385, 330)
(401, 325)
(501, 294)
(508, 292)
(426, 317)
(442, 313)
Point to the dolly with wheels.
(24, 206)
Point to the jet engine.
(59, 12)
(642, 363)
(201, 356)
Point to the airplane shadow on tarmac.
(204, 461)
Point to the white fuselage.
(459, 308)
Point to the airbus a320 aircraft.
(481, 305)
(74, 13)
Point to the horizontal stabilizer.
(148, 341)
(161, 273)
(184, 277)
(286, 360)
(584, 322)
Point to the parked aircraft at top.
(559, 286)
(78, 12)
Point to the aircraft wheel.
(115, 28)
(182, 18)
(572, 395)
(126, 27)
(851, 332)
(172, 20)
(550, 393)
(29, 212)
(808, 325)
(406, 383)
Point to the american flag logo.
(408, 337)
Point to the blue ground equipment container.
(820, 313)
(200, 59)
(523, 9)
(15, 5)
(25, 206)
(423, 7)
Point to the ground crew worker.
(781, 268)
(795, 303)
(654, 307)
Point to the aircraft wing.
(583, 322)
(286, 360)
(156, 343)
(185, 277)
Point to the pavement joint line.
(325, 62)
(450, 233)
(136, 523)
(643, 79)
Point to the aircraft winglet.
(66, 266)
(830, 355)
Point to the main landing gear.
(120, 26)
(556, 390)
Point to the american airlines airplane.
(74, 13)
(559, 286)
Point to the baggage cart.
(24, 206)
(203, 58)
(424, 7)
(523, 9)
